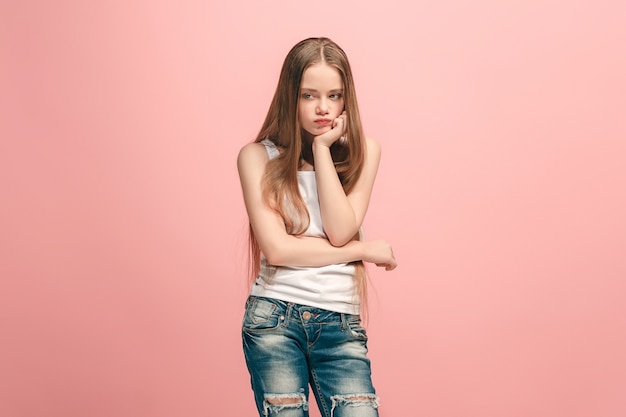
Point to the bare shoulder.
(252, 154)
(373, 147)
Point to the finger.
(388, 267)
(342, 124)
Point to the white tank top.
(330, 287)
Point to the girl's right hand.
(380, 253)
(338, 129)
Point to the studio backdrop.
(502, 188)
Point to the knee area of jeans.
(276, 402)
(355, 400)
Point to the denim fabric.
(290, 346)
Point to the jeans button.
(306, 315)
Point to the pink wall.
(502, 188)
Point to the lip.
(323, 122)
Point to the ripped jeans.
(291, 346)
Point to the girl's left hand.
(334, 134)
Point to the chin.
(315, 131)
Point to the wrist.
(319, 146)
(358, 250)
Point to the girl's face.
(321, 98)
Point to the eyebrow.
(336, 90)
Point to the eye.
(337, 96)
(307, 96)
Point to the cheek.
(340, 107)
(303, 110)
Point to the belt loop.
(344, 322)
(287, 314)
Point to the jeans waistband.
(306, 313)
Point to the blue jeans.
(291, 346)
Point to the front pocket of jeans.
(357, 331)
(261, 315)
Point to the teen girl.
(307, 181)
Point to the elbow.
(279, 251)
(274, 259)
(275, 256)
(340, 233)
(341, 239)
(338, 242)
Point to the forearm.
(316, 252)
(338, 216)
(306, 251)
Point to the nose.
(322, 106)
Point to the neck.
(307, 154)
(307, 148)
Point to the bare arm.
(281, 248)
(342, 215)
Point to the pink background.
(502, 189)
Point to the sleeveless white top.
(330, 287)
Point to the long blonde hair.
(281, 126)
